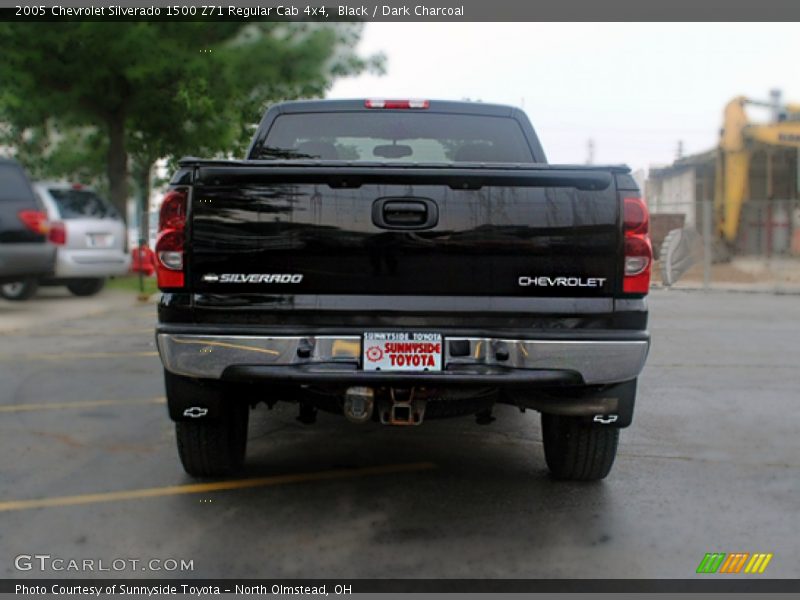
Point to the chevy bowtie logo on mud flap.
(253, 278)
(195, 412)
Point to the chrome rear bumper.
(208, 356)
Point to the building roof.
(682, 164)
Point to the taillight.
(637, 219)
(638, 251)
(57, 234)
(34, 220)
(397, 104)
(173, 211)
(171, 238)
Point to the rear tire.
(86, 287)
(577, 450)
(214, 448)
(18, 291)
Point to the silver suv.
(90, 240)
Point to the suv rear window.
(395, 137)
(14, 185)
(82, 204)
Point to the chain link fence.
(765, 256)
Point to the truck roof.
(440, 106)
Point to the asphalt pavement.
(711, 464)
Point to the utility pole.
(590, 151)
(679, 150)
(775, 101)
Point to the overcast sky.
(634, 88)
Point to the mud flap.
(609, 405)
(193, 399)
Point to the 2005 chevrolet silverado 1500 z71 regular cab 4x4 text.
(398, 261)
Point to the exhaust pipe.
(359, 402)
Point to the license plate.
(100, 240)
(402, 351)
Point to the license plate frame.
(100, 240)
(402, 351)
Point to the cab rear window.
(410, 137)
(82, 204)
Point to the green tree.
(132, 93)
(53, 151)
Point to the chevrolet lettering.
(396, 261)
(592, 282)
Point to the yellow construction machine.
(740, 139)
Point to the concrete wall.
(674, 193)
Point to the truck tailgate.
(382, 230)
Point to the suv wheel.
(85, 287)
(577, 450)
(216, 447)
(19, 290)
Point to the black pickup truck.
(396, 261)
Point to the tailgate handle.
(405, 213)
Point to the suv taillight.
(170, 241)
(57, 234)
(638, 251)
(34, 220)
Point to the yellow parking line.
(78, 404)
(74, 355)
(198, 488)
